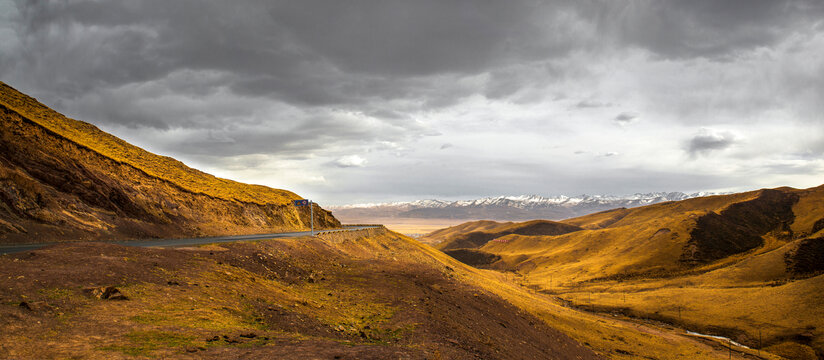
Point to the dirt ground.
(292, 298)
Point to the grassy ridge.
(485, 231)
(161, 167)
(610, 336)
(632, 262)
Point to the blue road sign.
(303, 202)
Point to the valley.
(744, 266)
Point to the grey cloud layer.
(342, 79)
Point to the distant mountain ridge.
(519, 207)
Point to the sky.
(393, 100)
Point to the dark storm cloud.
(328, 80)
(694, 28)
(359, 53)
(324, 52)
(199, 64)
(707, 141)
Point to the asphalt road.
(8, 249)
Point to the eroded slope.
(54, 188)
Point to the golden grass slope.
(641, 262)
(653, 240)
(611, 336)
(53, 188)
(809, 211)
(445, 234)
(163, 167)
(484, 232)
(599, 220)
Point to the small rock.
(214, 338)
(248, 336)
(35, 305)
(105, 293)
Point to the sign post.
(304, 202)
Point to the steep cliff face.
(63, 180)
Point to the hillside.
(321, 297)
(63, 179)
(732, 265)
(476, 234)
(447, 234)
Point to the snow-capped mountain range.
(508, 207)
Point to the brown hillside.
(445, 234)
(729, 265)
(473, 257)
(476, 239)
(599, 220)
(277, 299)
(62, 179)
(740, 226)
(162, 167)
(807, 258)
